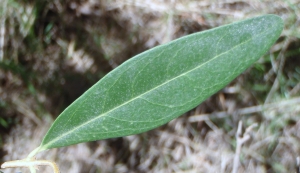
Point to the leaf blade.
(160, 84)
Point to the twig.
(2, 30)
(26, 110)
(278, 69)
(298, 164)
(240, 140)
(243, 111)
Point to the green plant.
(159, 85)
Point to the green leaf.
(162, 83)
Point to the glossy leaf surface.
(162, 83)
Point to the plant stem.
(33, 153)
(31, 164)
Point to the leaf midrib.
(139, 96)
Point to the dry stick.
(26, 110)
(2, 31)
(170, 23)
(279, 69)
(240, 140)
(298, 164)
(295, 90)
(243, 111)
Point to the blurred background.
(52, 51)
